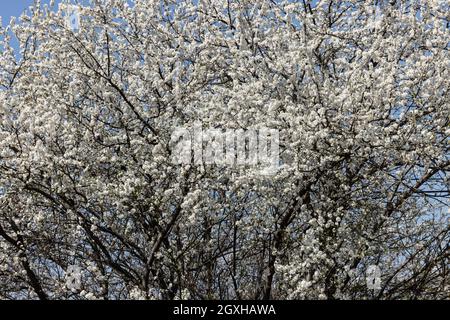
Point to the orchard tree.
(93, 206)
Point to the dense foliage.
(358, 91)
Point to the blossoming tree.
(358, 91)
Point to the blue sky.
(9, 8)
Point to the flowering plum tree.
(92, 205)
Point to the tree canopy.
(358, 92)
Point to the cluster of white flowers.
(86, 170)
